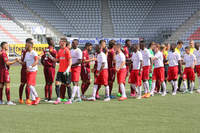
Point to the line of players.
(144, 65)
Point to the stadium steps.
(50, 30)
(183, 28)
(107, 26)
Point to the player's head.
(128, 43)
(191, 43)
(102, 43)
(29, 46)
(68, 45)
(75, 43)
(28, 40)
(50, 41)
(98, 49)
(111, 44)
(162, 47)
(4, 46)
(118, 47)
(173, 47)
(167, 46)
(135, 47)
(156, 48)
(152, 45)
(142, 45)
(63, 42)
(197, 44)
(179, 44)
(187, 50)
(88, 46)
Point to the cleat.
(28, 101)
(198, 91)
(63, 100)
(78, 100)
(139, 97)
(112, 97)
(164, 94)
(152, 94)
(21, 101)
(186, 91)
(119, 94)
(148, 95)
(37, 100)
(191, 92)
(122, 98)
(84, 98)
(107, 99)
(10, 103)
(174, 93)
(57, 101)
(34, 102)
(91, 99)
(133, 95)
(46, 99)
(98, 97)
(144, 96)
(1, 102)
(51, 101)
(68, 102)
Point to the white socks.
(107, 91)
(33, 92)
(122, 87)
(94, 90)
(74, 92)
(153, 87)
(192, 86)
(175, 85)
(164, 87)
(146, 87)
(185, 85)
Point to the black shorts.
(166, 70)
(65, 79)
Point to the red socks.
(8, 94)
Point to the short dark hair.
(180, 42)
(63, 39)
(187, 47)
(111, 43)
(2, 44)
(67, 43)
(49, 39)
(102, 41)
(28, 40)
(88, 44)
(127, 40)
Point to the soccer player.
(174, 60)
(178, 50)
(126, 50)
(23, 76)
(135, 78)
(197, 67)
(158, 72)
(4, 73)
(147, 65)
(31, 60)
(49, 68)
(121, 71)
(85, 69)
(63, 76)
(101, 76)
(76, 55)
(189, 60)
(111, 66)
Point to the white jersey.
(158, 62)
(102, 58)
(173, 58)
(120, 58)
(30, 59)
(136, 58)
(146, 57)
(197, 54)
(76, 55)
(189, 60)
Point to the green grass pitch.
(169, 114)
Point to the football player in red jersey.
(49, 68)
(85, 69)
(4, 73)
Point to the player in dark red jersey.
(111, 65)
(4, 73)
(49, 68)
(23, 76)
(85, 69)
